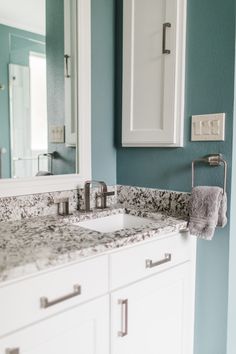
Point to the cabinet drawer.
(83, 329)
(33, 299)
(143, 260)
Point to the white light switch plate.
(57, 134)
(208, 127)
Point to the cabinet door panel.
(153, 81)
(83, 329)
(159, 315)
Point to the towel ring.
(211, 160)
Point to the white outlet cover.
(208, 127)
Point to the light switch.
(208, 127)
(215, 127)
(57, 134)
(197, 128)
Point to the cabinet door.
(81, 330)
(153, 72)
(70, 56)
(155, 316)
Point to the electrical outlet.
(57, 134)
(208, 127)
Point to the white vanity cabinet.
(154, 315)
(154, 34)
(137, 299)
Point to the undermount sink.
(116, 222)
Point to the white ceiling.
(28, 15)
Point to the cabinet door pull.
(12, 351)
(67, 57)
(45, 303)
(151, 264)
(124, 318)
(165, 26)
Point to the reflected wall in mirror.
(38, 88)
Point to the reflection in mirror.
(38, 88)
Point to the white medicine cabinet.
(70, 72)
(154, 34)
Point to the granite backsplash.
(22, 207)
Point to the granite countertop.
(36, 244)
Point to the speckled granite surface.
(34, 238)
(35, 244)
(27, 206)
(23, 207)
(164, 201)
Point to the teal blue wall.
(103, 146)
(21, 46)
(209, 89)
(232, 263)
(15, 47)
(65, 164)
(232, 249)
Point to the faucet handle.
(108, 194)
(62, 206)
(103, 196)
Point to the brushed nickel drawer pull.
(151, 264)
(124, 318)
(12, 351)
(45, 303)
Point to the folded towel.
(208, 206)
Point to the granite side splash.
(169, 202)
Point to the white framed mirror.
(45, 140)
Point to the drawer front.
(143, 260)
(36, 298)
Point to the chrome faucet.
(102, 195)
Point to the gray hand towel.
(208, 206)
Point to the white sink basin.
(114, 222)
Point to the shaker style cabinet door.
(153, 72)
(155, 315)
(83, 329)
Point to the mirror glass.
(38, 95)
